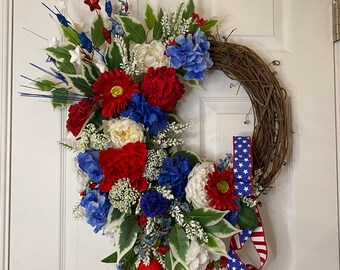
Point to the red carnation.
(93, 4)
(114, 88)
(220, 189)
(78, 114)
(154, 265)
(126, 162)
(161, 87)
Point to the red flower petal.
(114, 88)
(93, 4)
(126, 162)
(154, 265)
(161, 87)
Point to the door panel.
(300, 213)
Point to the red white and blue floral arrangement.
(164, 208)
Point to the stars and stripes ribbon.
(257, 238)
(242, 162)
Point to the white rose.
(197, 179)
(198, 257)
(151, 55)
(123, 131)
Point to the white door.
(300, 213)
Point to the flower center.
(223, 187)
(116, 91)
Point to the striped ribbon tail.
(258, 239)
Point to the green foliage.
(207, 216)
(174, 118)
(44, 85)
(167, 260)
(216, 245)
(66, 67)
(189, 10)
(61, 53)
(193, 157)
(59, 97)
(88, 74)
(71, 35)
(111, 258)
(127, 236)
(158, 31)
(150, 17)
(97, 34)
(222, 229)
(81, 84)
(179, 244)
(113, 57)
(247, 218)
(209, 24)
(133, 29)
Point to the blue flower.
(153, 204)
(174, 174)
(108, 8)
(191, 53)
(85, 42)
(96, 208)
(88, 162)
(232, 216)
(142, 112)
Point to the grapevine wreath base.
(163, 208)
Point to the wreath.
(163, 207)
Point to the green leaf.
(189, 10)
(113, 57)
(114, 219)
(66, 67)
(222, 229)
(45, 85)
(150, 17)
(71, 35)
(127, 236)
(59, 97)
(129, 260)
(88, 74)
(133, 29)
(174, 118)
(193, 83)
(247, 219)
(97, 34)
(158, 30)
(60, 53)
(216, 245)
(179, 243)
(208, 25)
(194, 158)
(207, 216)
(110, 259)
(81, 84)
(167, 260)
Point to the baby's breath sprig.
(168, 136)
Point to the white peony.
(151, 55)
(123, 131)
(197, 179)
(198, 257)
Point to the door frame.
(6, 34)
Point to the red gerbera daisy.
(220, 189)
(93, 4)
(114, 88)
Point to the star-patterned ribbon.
(242, 162)
(242, 165)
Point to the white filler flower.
(151, 55)
(197, 179)
(123, 131)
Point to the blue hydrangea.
(174, 174)
(191, 53)
(153, 204)
(88, 162)
(142, 112)
(96, 207)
